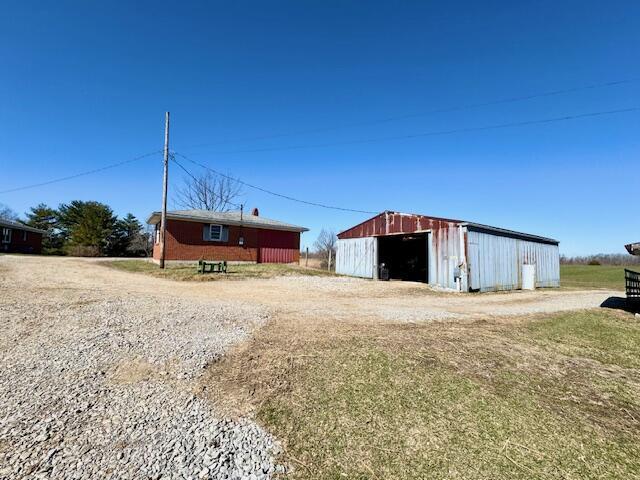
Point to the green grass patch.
(557, 397)
(188, 272)
(609, 339)
(594, 276)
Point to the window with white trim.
(157, 233)
(215, 233)
(6, 235)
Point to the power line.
(426, 134)
(437, 132)
(81, 174)
(270, 192)
(329, 144)
(521, 98)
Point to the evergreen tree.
(46, 218)
(88, 227)
(125, 236)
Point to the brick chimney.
(255, 212)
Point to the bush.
(594, 262)
(83, 251)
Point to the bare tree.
(325, 246)
(208, 192)
(7, 213)
(142, 242)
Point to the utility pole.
(165, 180)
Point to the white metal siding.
(445, 256)
(495, 262)
(357, 257)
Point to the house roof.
(226, 218)
(5, 222)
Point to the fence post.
(329, 264)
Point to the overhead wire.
(328, 144)
(435, 133)
(271, 192)
(81, 174)
(426, 134)
(470, 106)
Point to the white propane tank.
(528, 277)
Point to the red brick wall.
(185, 242)
(33, 243)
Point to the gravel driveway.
(96, 384)
(98, 366)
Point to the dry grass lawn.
(188, 272)
(543, 397)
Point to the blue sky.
(85, 84)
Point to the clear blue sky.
(85, 84)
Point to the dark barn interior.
(405, 256)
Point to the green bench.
(212, 267)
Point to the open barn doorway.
(406, 256)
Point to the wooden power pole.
(165, 180)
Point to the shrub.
(83, 251)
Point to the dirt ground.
(327, 297)
(75, 324)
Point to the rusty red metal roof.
(390, 223)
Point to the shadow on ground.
(621, 303)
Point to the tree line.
(86, 228)
(601, 259)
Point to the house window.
(24, 235)
(6, 235)
(157, 234)
(215, 233)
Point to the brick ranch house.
(18, 238)
(231, 236)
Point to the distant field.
(594, 276)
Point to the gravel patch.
(99, 385)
